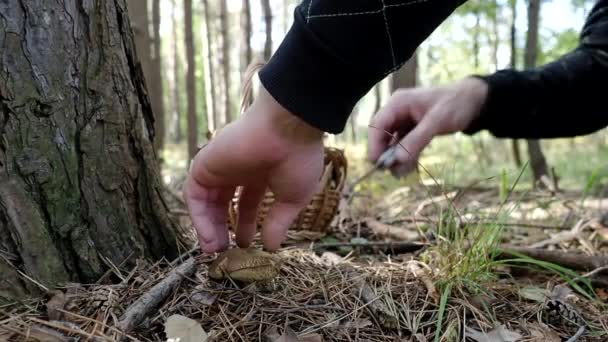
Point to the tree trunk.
(476, 36)
(537, 158)
(224, 24)
(407, 75)
(156, 84)
(513, 63)
(246, 53)
(79, 182)
(138, 14)
(267, 13)
(496, 34)
(211, 69)
(177, 128)
(190, 81)
(378, 96)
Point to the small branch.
(136, 313)
(394, 247)
(572, 260)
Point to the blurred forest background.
(195, 53)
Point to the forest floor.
(405, 261)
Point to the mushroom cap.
(245, 264)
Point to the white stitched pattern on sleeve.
(382, 10)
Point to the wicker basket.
(319, 213)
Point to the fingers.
(394, 117)
(209, 212)
(248, 208)
(412, 144)
(278, 220)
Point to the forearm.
(561, 99)
(336, 51)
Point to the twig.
(396, 246)
(578, 334)
(576, 261)
(135, 313)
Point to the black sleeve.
(564, 98)
(337, 50)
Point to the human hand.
(266, 147)
(417, 115)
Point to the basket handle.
(247, 87)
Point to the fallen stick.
(572, 260)
(137, 311)
(396, 247)
(393, 232)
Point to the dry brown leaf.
(498, 334)
(393, 232)
(43, 334)
(542, 333)
(312, 338)
(183, 329)
(533, 293)
(288, 336)
(602, 294)
(423, 274)
(55, 304)
(203, 297)
(358, 323)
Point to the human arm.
(309, 86)
(564, 98)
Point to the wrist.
(285, 124)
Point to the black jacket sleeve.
(564, 98)
(337, 50)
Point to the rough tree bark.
(267, 13)
(211, 69)
(177, 128)
(224, 24)
(156, 83)
(78, 177)
(537, 158)
(513, 63)
(190, 80)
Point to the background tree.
(190, 81)
(267, 13)
(537, 158)
(79, 185)
(156, 81)
(224, 24)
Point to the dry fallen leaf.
(312, 338)
(55, 304)
(498, 334)
(358, 323)
(203, 297)
(38, 333)
(542, 333)
(183, 329)
(602, 294)
(533, 293)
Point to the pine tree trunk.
(267, 13)
(537, 158)
(513, 63)
(190, 81)
(156, 84)
(78, 168)
(212, 70)
(224, 23)
(176, 78)
(407, 75)
(496, 35)
(476, 36)
(246, 52)
(378, 96)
